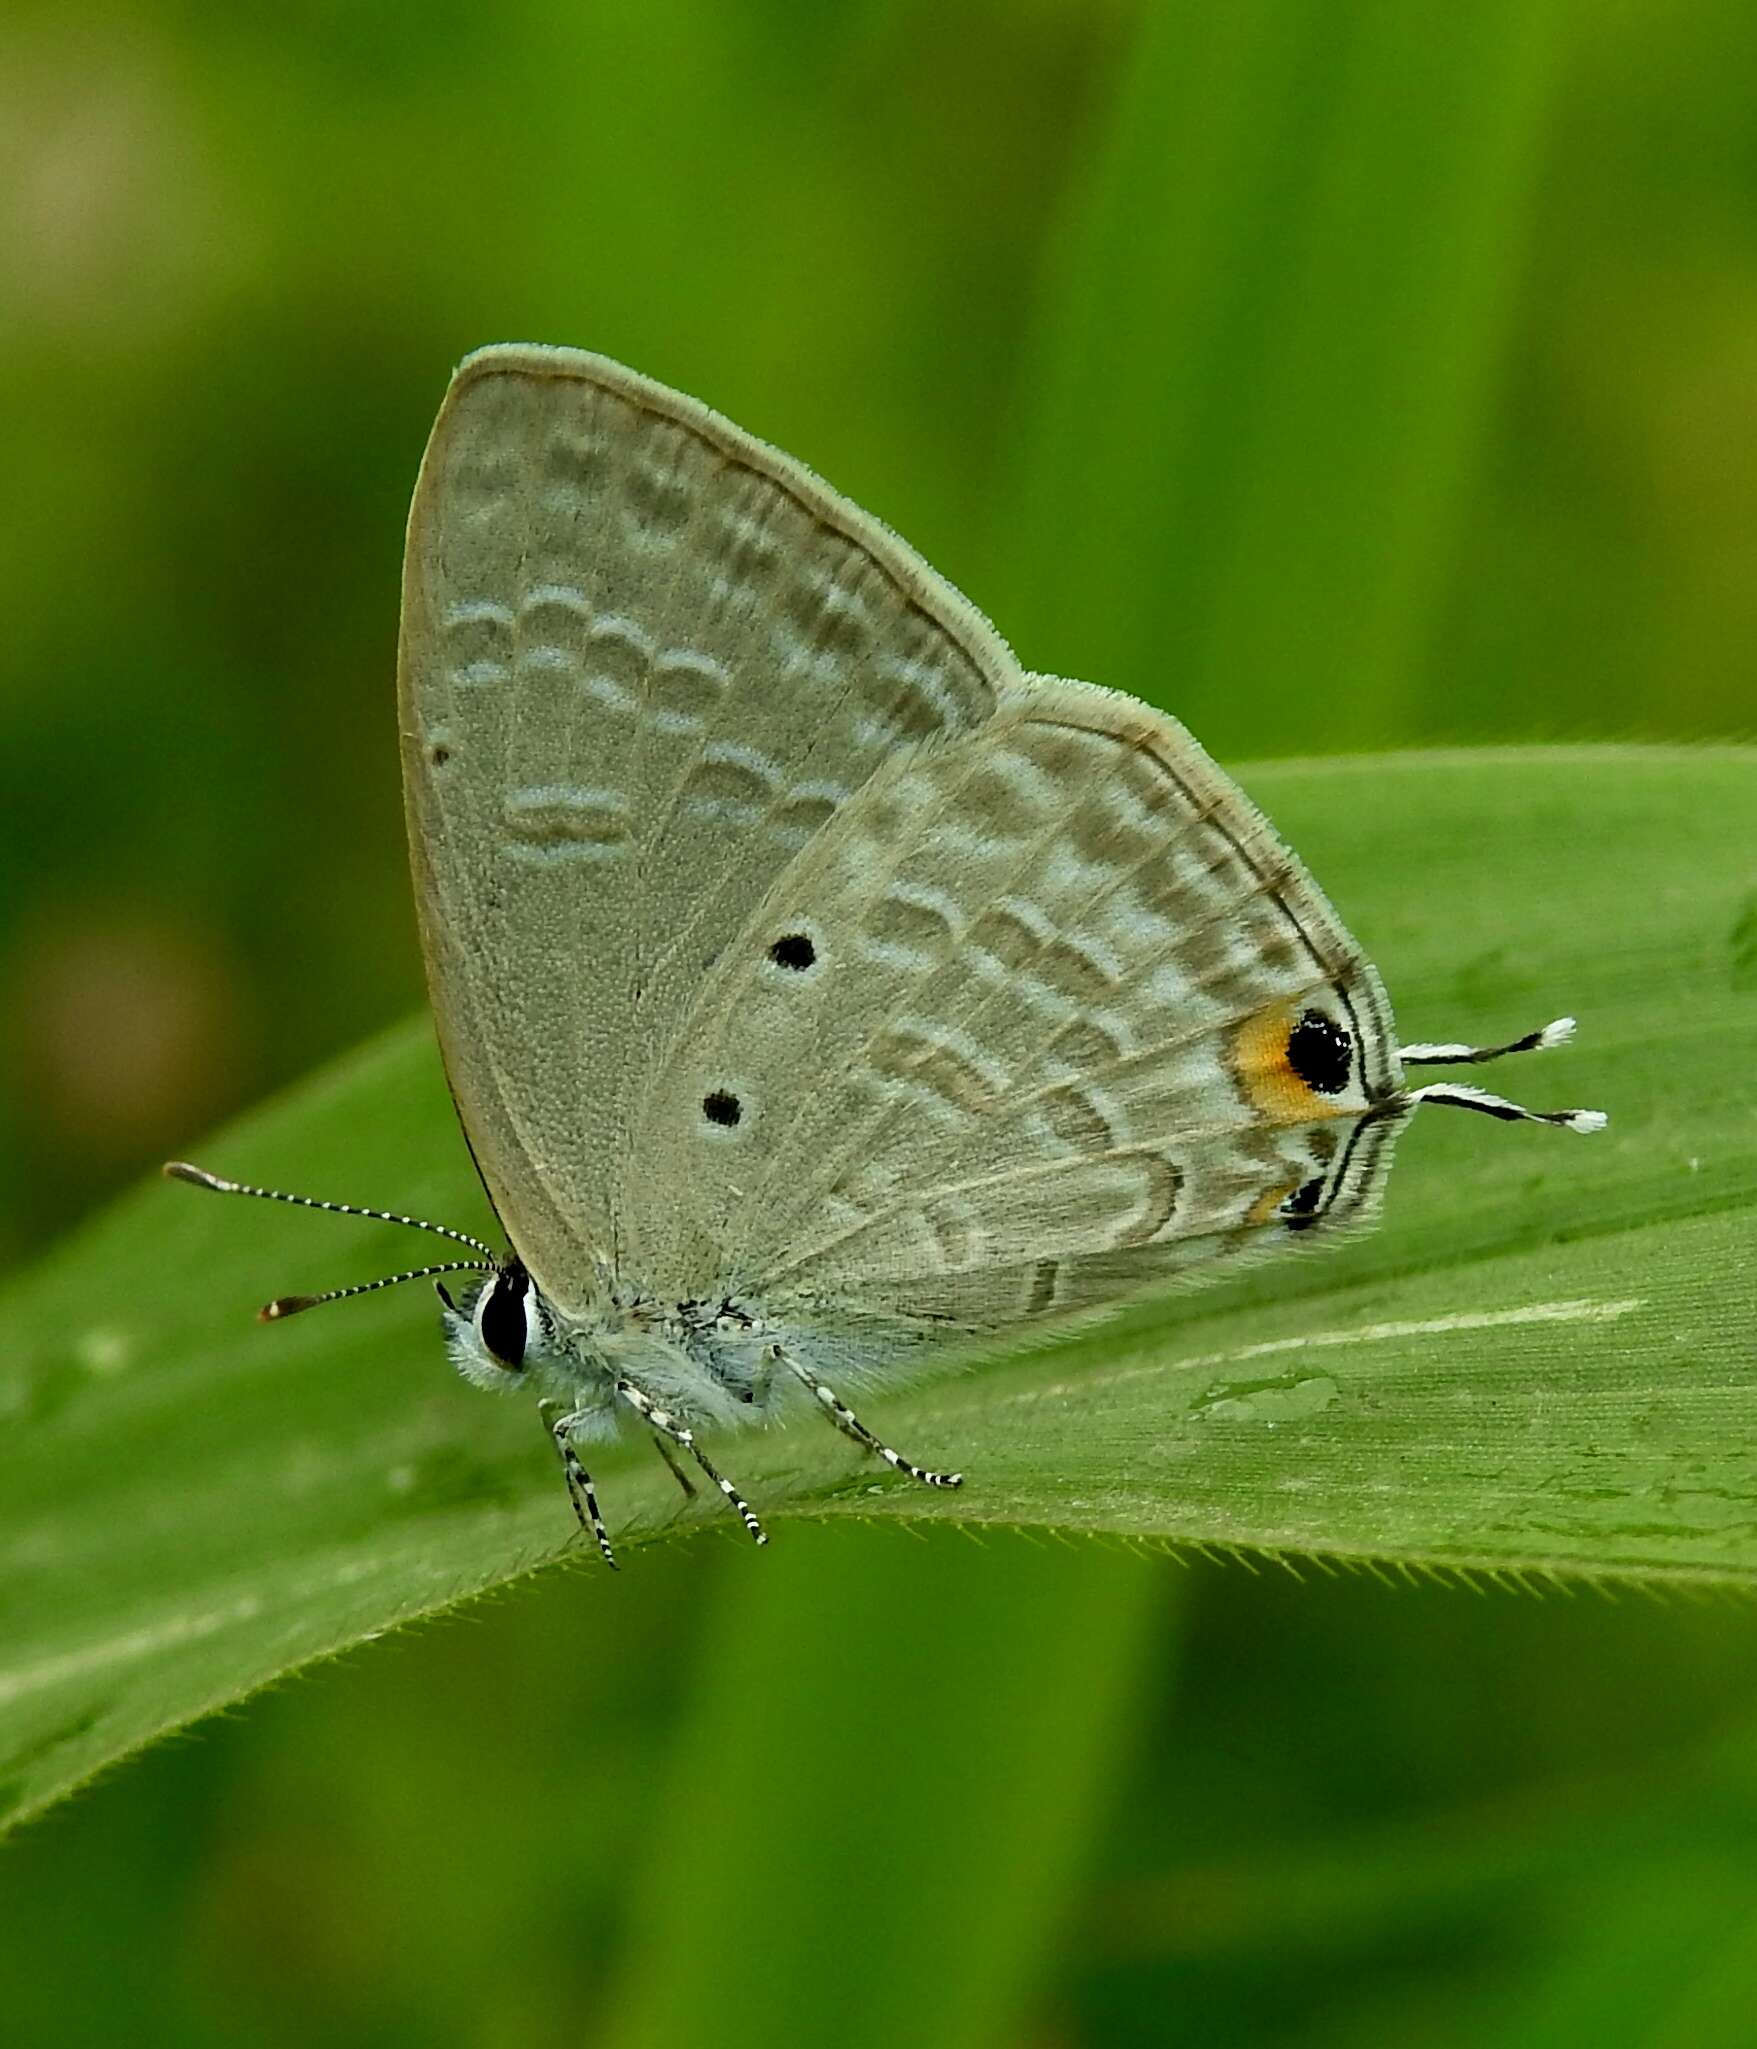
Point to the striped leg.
(579, 1481)
(668, 1426)
(850, 1424)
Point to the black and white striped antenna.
(291, 1305)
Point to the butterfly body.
(707, 1365)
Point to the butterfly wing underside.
(645, 659)
(1011, 1038)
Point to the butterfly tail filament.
(1452, 1053)
(1461, 1096)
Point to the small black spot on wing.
(722, 1107)
(794, 951)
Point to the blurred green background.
(1342, 377)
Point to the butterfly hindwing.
(1013, 1035)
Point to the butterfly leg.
(667, 1425)
(677, 1473)
(579, 1481)
(850, 1425)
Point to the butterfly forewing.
(645, 659)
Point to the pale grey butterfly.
(823, 995)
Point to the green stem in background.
(874, 1734)
(1266, 359)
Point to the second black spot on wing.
(794, 951)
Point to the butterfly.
(823, 996)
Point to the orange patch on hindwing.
(1267, 1206)
(1265, 1075)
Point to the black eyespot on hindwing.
(721, 1106)
(793, 950)
(1300, 1208)
(1321, 1053)
(503, 1315)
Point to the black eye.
(1300, 1208)
(793, 950)
(503, 1315)
(1320, 1052)
(720, 1106)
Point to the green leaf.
(1541, 1363)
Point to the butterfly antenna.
(198, 1177)
(292, 1305)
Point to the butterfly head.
(502, 1330)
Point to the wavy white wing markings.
(1018, 989)
(905, 1108)
(968, 888)
(779, 1039)
(873, 1325)
(1149, 1144)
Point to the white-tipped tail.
(1458, 1095)
(1457, 1053)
